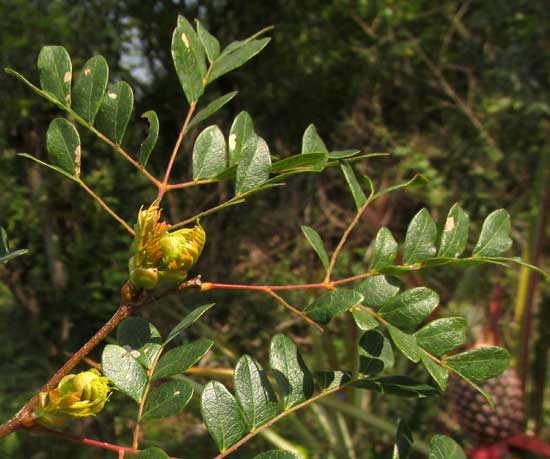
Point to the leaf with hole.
(168, 399)
(293, 377)
(455, 233)
(141, 338)
(375, 353)
(189, 320)
(254, 393)
(316, 243)
(376, 290)
(181, 358)
(115, 111)
(228, 61)
(63, 143)
(148, 145)
(442, 335)
(312, 142)
(189, 60)
(494, 239)
(124, 371)
(442, 447)
(209, 154)
(54, 65)
(420, 238)
(241, 131)
(222, 415)
(480, 364)
(332, 303)
(210, 109)
(409, 308)
(385, 249)
(89, 88)
(254, 165)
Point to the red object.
(531, 444)
(487, 451)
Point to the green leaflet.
(142, 338)
(406, 343)
(420, 239)
(293, 377)
(402, 386)
(479, 364)
(254, 392)
(494, 239)
(209, 154)
(442, 447)
(317, 243)
(455, 233)
(375, 353)
(376, 290)
(168, 399)
(442, 335)
(209, 42)
(5, 253)
(152, 453)
(403, 441)
(54, 65)
(148, 145)
(254, 165)
(241, 131)
(124, 371)
(357, 192)
(410, 308)
(438, 373)
(181, 358)
(188, 320)
(115, 111)
(385, 249)
(312, 142)
(324, 308)
(210, 109)
(64, 149)
(89, 88)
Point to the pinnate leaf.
(442, 335)
(222, 415)
(317, 243)
(115, 111)
(455, 233)
(254, 165)
(480, 364)
(168, 399)
(89, 88)
(332, 303)
(494, 239)
(124, 371)
(254, 392)
(54, 65)
(181, 358)
(420, 239)
(63, 143)
(293, 377)
(209, 154)
(385, 249)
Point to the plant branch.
(177, 186)
(105, 206)
(295, 310)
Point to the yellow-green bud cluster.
(160, 256)
(76, 396)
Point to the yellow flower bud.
(76, 396)
(160, 256)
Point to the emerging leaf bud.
(76, 396)
(160, 256)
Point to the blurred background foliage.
(456, 90)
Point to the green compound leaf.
(406, 343)
(210, 109)
(181, 358)
(437, 372)
(494, 239)
(56, 73)
(124, 371)
(327, 380)
(168, 399)
(480, 364)
(293, 377)
(241, 131)
(254, 392)
(222, 415)
(189, 60)
(277, 454)
(209, 42)
(64, 149)
(5, 253)
(317, 243)
(254, 165)
(228, 61)
(189, 320)
(363, 319)
(410, 308)
(420, 239)
(357, 192)
(397, 385)
(455, 233)
(442, 447)
(332, 303)
(442, 335)
(141, 338)
(403, 441)
(376, 290)
(152, 453)
(89, 88)
(209, 154)
(148, 145)
(312, 142)
(375, 353)
(115, 111)
(385, 249)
